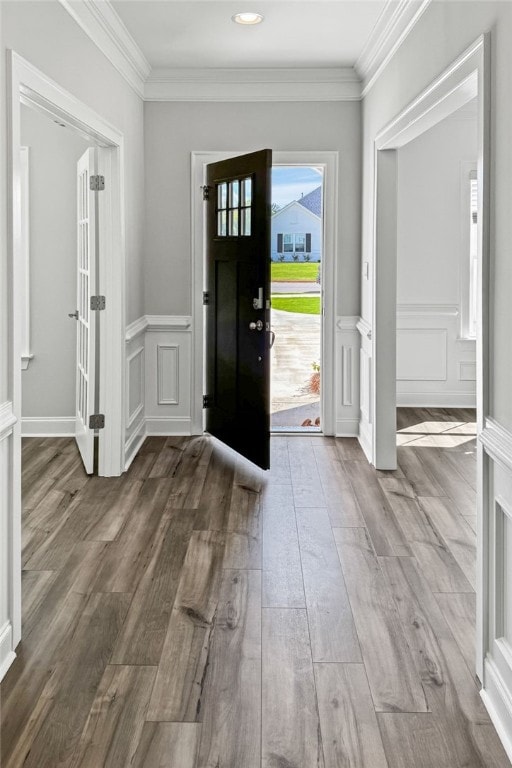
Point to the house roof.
(313, 201)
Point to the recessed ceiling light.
(247, 18)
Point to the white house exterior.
(297, 230)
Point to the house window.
(294, 243)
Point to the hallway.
(197, 612)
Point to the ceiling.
(295, 33)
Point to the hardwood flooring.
(200, 613)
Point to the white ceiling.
(295, 33)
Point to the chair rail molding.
(497, 442)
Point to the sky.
(288, 183)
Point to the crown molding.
(103, 25)
(393, 26)
(180, 84)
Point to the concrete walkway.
(295, 287)
(296, 347)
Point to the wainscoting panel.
(435, 367)
(347, 377)
(366, 394)
(497, 558)
(168, 376)
(135, 417)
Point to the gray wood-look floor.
(199, 613)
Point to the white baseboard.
(133, 445)
(436, 400)
(365, 439)
(347, 428)
(7, 655)
(168, 426)
(498, 702)
(47, 426)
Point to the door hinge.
(207, 401)
(98, 302)
(96, 183)
(206, 298)
(206, 192)
(97, 421)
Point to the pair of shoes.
(307, 423)
(317, 421)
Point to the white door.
(86, 319)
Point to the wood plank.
(350, 732)
(306, 485)
(349, 449)
(72, 686)
(384, 530)
(191, 473)
(279, 461)
(215, 500)
(169, 458)
(290, 721)
(129, 556)
(331, 626)
(35, 586)
(115, 512)
(142, 636)
(341, 502)
(282, 572)
(393, 679)
(457, 534)
(244, 538)
(231, 705)
(180, 679)
(459, 611)
(114, 725)
(168, 745)
(435, 559)
(423, 482)
(462, 495)
(450, 688)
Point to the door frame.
(467, 77)
(329, 161)
(28, 85)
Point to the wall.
(435, 366)
(444, 32)
(48, 384)
(174, 130)
(46, 35)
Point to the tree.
(275, 207)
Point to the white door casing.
(86, 317)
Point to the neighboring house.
(297, 229)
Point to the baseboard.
(498, 703)
(47, 426)
(436, 400)
(7, 655)
(347, 428)
(134, 444)
(168, 426)
(365, 439)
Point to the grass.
(303, 305)
(291, 271)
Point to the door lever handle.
(73, 314)
(272, 339)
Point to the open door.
(85, 317)
(237, 402)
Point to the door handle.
(272, 339)
(257, 326)
(73, 314)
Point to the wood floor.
(199, 613)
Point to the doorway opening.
(296, 290)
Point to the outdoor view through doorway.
(296, 272)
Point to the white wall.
(292, 219)
(46, 35)
(435, 367)
(174, 130)
(444, 32)
(48, 384)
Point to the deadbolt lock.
(257, 326)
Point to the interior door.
(238, 310)
(86, 318)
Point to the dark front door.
(238, 310)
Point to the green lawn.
(303, 305)
(293, 271)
